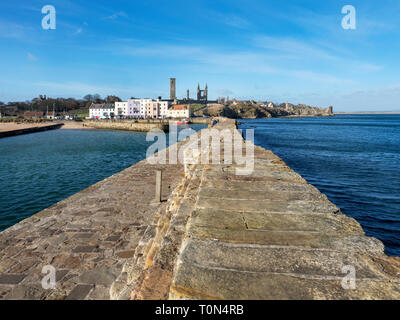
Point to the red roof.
(180, 107)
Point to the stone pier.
(25, 128)
(266, 235)
(215, 235)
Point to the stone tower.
(172, 92)
(202, 95)
(198, 92)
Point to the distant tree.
(112, 99)
(88, 97)
(1, 103)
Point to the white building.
(121, 109)
(102, 111)
(163, 107)
(143, 105)
(179, 111)
(50, 115)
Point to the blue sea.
(353, 159)
(38, 170)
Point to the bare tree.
(88, 97)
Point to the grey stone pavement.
(87, 237)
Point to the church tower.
(198, 92)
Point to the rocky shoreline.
(259, 110)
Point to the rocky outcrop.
(266, 110)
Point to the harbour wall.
(142, 126)
(11, 133)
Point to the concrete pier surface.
(218, 235)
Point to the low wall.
(200, 120)
(18, 132)
(127, 125)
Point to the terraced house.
(179, 111)
(102, 110)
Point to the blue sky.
(295, 51)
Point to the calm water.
(40, 169)
(354, 160)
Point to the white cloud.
(224, 92)
(31, 57)
(293, 47)
(220, 61)
(370, 67)
(79, 88)
(235, 21)
(229, 19)
(116, 15)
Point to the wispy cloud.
(228, 19)
(227, 62)
(12, 30)
(116, 15)
(235, 21)
(370, 67)
(293, 47)
(224, 92)
(79, 88)
(31, 57)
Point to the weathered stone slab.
(261, 195)
(299, 261)
(80, 292)
(195, 282)
(102, 276)
(236, 220)
(305, 239)
(267, 185)
(269, 206)
(27, 292)
(11, 278)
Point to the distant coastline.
(370, 112)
